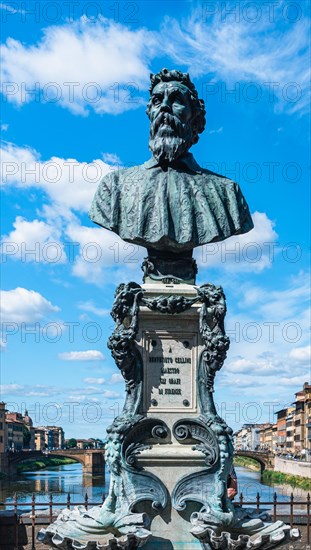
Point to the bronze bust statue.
(170, 204)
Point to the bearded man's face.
(170, 121)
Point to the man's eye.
(156, 101)
(178, 98)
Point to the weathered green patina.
(170, 204)
(174, 208)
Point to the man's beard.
(169, 138)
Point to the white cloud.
(72, 190)
(10, 388)
(238, 50)
(37, 394)
(86, 397)
(90, 307)
(296, 382)
(269, 330)
(259, 389)
(116, 378)
(112, 58)
(34, 241)
(13, 158)
(89, 355)
(96, 250)
(3, 342)
(36, 390)
(10, 8)
(111, 394)
(94, 381)
(255, 367)
(112, 158)
(100, 249)
(252, 251)
(69, 184)
(281, 305)
(86, 393)
(80, 398)
(4, 127)
(265, 325)
(302, 355)
(22, 305)
(218, 131)
(91, 390)
(267, 369)
(244, 383)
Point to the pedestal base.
(169, 453)
(79, 529)
(170, 528)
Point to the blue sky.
(75, 85)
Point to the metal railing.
(292, 516)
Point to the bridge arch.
(92, 461)
(266, 460)
(77, 458)
(23, 456)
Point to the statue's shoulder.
(218, 180)
(122, 175)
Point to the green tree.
(71, 443)
(88, 445)
(26, 437)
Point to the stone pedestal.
(168, 452)
(170, 347)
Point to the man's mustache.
(170, 120)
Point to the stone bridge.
(93, 462)
(265, 459)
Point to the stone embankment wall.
(292, 467)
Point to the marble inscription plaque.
(169, 373)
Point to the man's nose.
(166, 105)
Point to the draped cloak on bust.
(174, 209)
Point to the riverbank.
(247, 463)
(270, 476)
(43, 463)
(292, 467)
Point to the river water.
(62, 480)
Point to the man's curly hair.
(197, 105)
